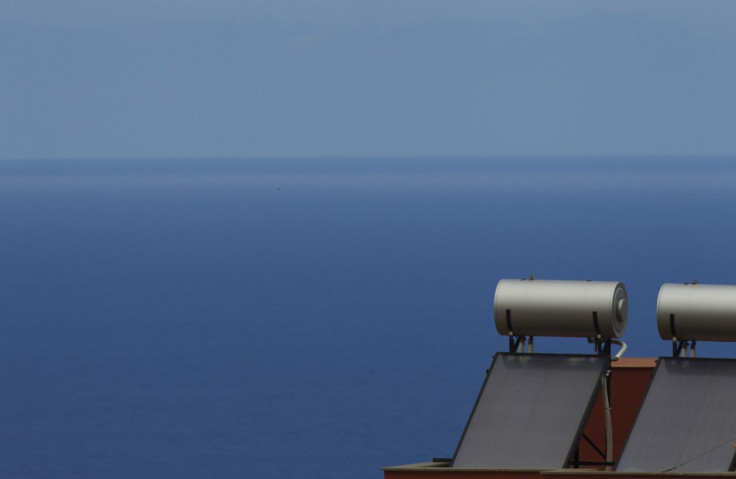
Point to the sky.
(315, 78)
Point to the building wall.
(630, 379)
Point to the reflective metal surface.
(560, 308)
(704, 312)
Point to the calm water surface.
(307, 318)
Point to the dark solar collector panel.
(530, 412)
(687, 422)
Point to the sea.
(309, 317)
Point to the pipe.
(621, 351)
(607, 415)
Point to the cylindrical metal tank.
(704, 312)
(534, 307)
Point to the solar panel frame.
(598, 364)
(690, 463)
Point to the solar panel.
(530, 412)
(687, 422)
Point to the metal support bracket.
(602, 347)
(576, 462)
(514, 342)
(677, 347)
(596, 448)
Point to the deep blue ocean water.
(305, 317)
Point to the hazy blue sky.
(164, 78)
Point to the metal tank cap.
(622, 310)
